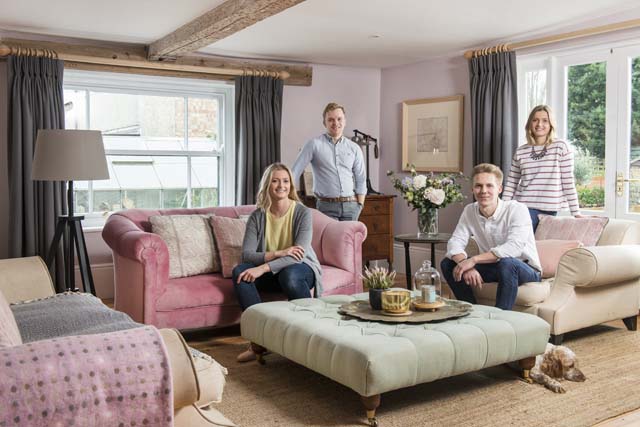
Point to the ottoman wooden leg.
(259, 351)
(526, 365)
(371, 403)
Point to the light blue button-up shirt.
(338, 169)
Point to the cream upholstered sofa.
(592, 285)
(197, 381)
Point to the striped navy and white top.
(547, 183)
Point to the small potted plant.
(377, 279)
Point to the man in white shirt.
(503, 232)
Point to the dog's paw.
(557, 388)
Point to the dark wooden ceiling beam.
(226, 19)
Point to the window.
(168, 141)
(594, 92)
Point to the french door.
(595, 94)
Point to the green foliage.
(591, 197)
(584, 166)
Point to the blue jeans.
(295, 281)
(534, 216)
(342, 211)
(508, 272)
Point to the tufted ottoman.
(373, 357)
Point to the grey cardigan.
(253, 246)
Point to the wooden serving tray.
(362, 310)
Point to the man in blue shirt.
(339, 179)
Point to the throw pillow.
(190, 244)
(550, 252)
(229, 233)
(587, 230)
(9, 333)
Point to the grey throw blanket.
(67, 314)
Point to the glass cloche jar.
(427, 281)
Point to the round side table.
(408, 239)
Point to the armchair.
(82, 385)
(592, 285)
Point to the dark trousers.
(295, 281)
(534, 216)
(508, 272)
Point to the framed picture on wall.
(432, 134)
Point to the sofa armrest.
(342, 246)
(23, 279)
(599, 265)
(127, 240)
(100, 379)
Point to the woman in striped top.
(541, 174)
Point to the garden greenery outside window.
(168, 141)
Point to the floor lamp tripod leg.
(83, 259)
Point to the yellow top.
(279, 233)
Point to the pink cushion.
(550, 252)
(228, 234)
(9, 333)
(586, 230)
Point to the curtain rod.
(624, 25)
(6, 50)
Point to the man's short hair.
(488, 168)
(330, 107)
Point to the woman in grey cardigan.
(276, 251)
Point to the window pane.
(203, 124)
(634, 154)
(204, 181)
(535, 88)
(138, 122)
(75, 108)
(586, 110)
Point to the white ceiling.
(375, 33)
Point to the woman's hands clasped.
(295, 251)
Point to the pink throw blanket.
(113, 379)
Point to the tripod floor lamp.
(70, 155)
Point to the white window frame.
(168, 86)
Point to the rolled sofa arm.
(105, 379)
(342, 245)
(127, 240)
(23, 279)
(599, 265)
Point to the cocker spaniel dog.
(557, 363)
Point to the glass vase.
(428, 223)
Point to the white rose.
(435, 195)
(419, 181)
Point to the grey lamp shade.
(69, 155)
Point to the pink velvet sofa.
(144, 291)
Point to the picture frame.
(432, 134)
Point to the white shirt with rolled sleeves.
(338, 169)
(507, 233)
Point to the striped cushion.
(586, 230)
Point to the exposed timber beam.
(220, 22)
(131, 58)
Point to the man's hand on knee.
(473, 278)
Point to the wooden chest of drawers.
(377, 215)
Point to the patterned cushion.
(587, 230)
(550, 252)
(9, 333)
(229, 233)
(190, 242)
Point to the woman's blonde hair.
(262, 199)
(531, 139)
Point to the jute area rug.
(282, 393)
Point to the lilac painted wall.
(357, 89)
(430, 79)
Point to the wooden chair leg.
(631, 323)
(526, 365)
(371, 403)
(259, 351)
(556, 339)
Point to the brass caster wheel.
(373, 422)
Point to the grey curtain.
(258, 116)
(494, 108)
(35, 102)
